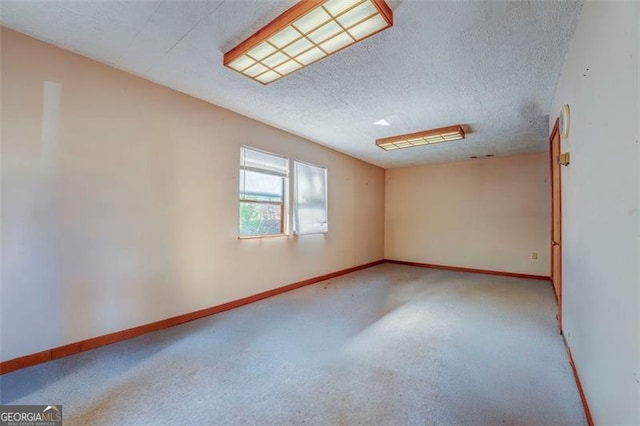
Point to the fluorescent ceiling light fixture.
(426, 137)
(382, 122)
(305, 33)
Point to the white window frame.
(296, 221)
(284, 206)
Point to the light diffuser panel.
(306, 33)
(444, 134)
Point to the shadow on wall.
(128, 236)
(31, 245)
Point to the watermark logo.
(30, 415)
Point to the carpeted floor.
(387, 345)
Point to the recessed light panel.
(444, 134)
(308, 32)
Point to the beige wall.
(485, 213)
(119, 202)
(600, 210)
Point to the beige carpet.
(387, 345)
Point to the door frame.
(553, 161)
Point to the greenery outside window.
(263, 193)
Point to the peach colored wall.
(486, 214)
(119, 202)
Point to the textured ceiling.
(491, 66)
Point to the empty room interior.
(320, 211)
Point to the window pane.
(263, 183)
(261, 187)
(262, 160)
(311, 199)
(260, 219)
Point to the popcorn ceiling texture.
(389, 345)
(492, 66)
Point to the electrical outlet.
(534, 255)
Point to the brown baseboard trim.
(585, 405)
(472, 270)
(107, 339)
(25, 361)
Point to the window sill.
(254, 237)
(311, 233)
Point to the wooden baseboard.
(472, 270)
(585, 405)
(107, 339)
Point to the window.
(310, 216)
(263, 188)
